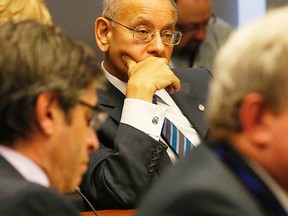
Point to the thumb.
(129, 62)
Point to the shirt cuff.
(144, 116)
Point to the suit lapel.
(113, 105)
(191, 108)
(193, 95)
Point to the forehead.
(157, 11)
(193, 10)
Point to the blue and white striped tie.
(173, 136)
(176, 138)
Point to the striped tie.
(176, 138)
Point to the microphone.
(77, 190)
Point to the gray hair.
(37, 58)
(113, 8)
(254, 59)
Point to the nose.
(200, 33)
(93, 142)
(156, 46)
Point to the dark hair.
(38, 58)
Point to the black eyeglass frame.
(176, 35)
(98, 116)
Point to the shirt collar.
(277, 190)
(26, 167)
(120, 85)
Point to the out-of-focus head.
(44, 75)
(19, 10)
(116, 35)
(250, 61)
(193, 18)
(248, 96)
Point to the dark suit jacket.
(20, 197)
(128, 159)
(202, 184)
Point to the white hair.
(254, 59)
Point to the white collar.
(26, 167)
(120, 85)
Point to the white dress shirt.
(145, 112)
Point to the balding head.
(193, 11)
(193, 17)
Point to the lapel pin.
(201, 107)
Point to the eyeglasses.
(144, 34)
(194, 27)
(98, 116)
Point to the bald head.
(193, 17)
(193, 11)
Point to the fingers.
(174, 87)
(148, 76)
(130, 63)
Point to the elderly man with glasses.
(203, 34)
(143, 97)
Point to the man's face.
(276, 154)
(263, 136)
(154, 14)
(193, 17)
(74, 142)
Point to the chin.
(67, 188)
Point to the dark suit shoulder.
(194, 81)
(20, 197)
(199, 184)
(193, 73)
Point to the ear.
(252, 113)
(102, 30)
(46, 110)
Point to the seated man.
(244, 168)
(48, 115)
(137, 38)
(203, 34)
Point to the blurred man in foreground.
(48, 117)
(20, 10)
(244, 171)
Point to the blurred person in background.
(19, 10)
(203, 34)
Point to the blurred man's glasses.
(194, 27)
(98, 116)
(144, 34)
